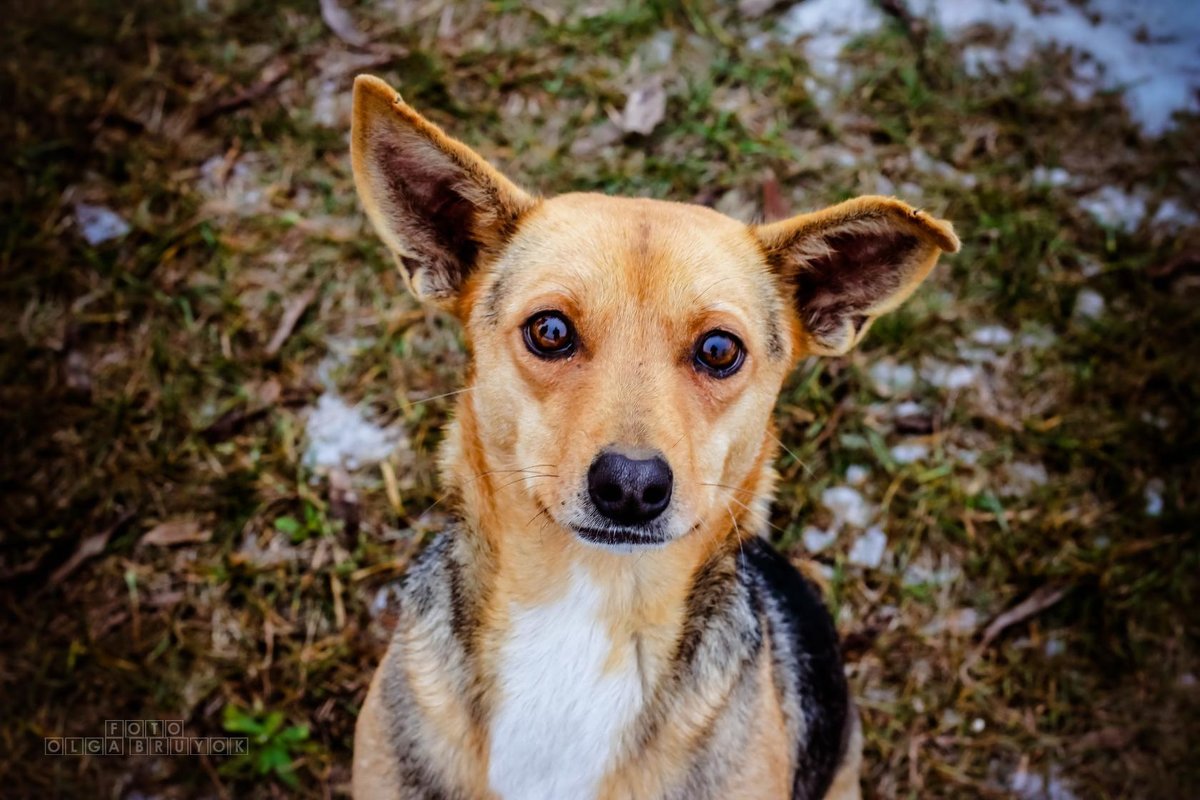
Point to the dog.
(606, 618)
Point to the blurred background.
(220, 408)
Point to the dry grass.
(138, 382)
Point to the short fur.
(528, 662)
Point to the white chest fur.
(563, 705)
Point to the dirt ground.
(219, 408)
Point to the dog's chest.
(564, 700)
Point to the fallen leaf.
(645, 107)
(773, 205)
(292, 311)
(88, 548)
(339, 21)
(176, 531)
(1036, 603)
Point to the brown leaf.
(645, 107)
(339, 21)
(774, 207)
(1036, 603)
(176, 531)
(275, 71)
(292, 311)
(88, 548)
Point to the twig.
(274, 72)
(292, 312)
(88, 549)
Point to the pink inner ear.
(858, 271)
(430, 213)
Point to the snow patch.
(1149, 50)
(827, 26)
(1054, 177)
(341, 435)
(992, 336)
(815, 539)
(1114, 208)
(909, 453)
(950, 376)
(1172, 216)
(98, 224)
(1028, 785)
(1089, 304)
(848, 506)
(857, 474)
(889, 378)
(868, 549)
(1024, 477)
(1154, 497)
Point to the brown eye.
(719, 353)
(548, 334)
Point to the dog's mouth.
(622, 538)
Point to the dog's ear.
(850, 263)
(436, 203)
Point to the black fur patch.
(820, 679)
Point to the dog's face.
(627, 353)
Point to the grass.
(136, 387)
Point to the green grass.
(135, 387)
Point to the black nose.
(628, 491)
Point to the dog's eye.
(549, 334)
(719, 353)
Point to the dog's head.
(627, 353)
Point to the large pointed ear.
(850, 263)
(436, 203)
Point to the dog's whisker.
(770, 524)
(789, 451)
(412, 403)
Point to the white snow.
(98, 224)
(1089, 304)
(909, 452)
(857, 474)
(1024, 477)
(341, 435)
(827, 26)
(1114, 208)
(889, 378)
(950, 376)
(1172, 216)
(1154, 497)
(1149, 50)
(1054, 177)
(992, 336)
(1028, 785)
(847, 506)
(815, 539)
(908, 408)
(921, 572)
(868, 549)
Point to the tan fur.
(641, 280)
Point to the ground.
(220, 408)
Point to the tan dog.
(606, 620)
